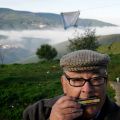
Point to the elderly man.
(84, 83)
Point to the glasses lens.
(97, 80)
(77, 82)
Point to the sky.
(104, 10)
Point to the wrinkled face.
(86, 91)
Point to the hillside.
(108, 39)
(23, 20)
(11, 55)
(105, 41)
(19, 50)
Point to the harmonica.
(88, 101)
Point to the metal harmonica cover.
(89, 101)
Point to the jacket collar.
(108, 108)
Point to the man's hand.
(66, 109)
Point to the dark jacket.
(41, 110)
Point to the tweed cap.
(84, 60)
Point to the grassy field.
(113, 48)
(22, 85)
(114, 51)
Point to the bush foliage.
(88, 40)
(46, 52)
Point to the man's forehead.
(93, 72)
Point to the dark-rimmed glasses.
(79, 82)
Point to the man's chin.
(91, 110)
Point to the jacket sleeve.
(36, 111)
(40, 110)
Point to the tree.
(46, 51)
(87, 40)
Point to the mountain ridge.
(22, 20)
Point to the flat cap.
(84, 60)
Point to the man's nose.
(87, 87)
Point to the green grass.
(22, 85)
(114, 52)
(113, 48)
(114, 67)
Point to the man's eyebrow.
(80, 77)
(73, 77)
(66, 75)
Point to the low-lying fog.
(27, 41)
(52, 36)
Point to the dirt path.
(116, 86)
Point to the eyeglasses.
(79, 82)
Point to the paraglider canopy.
(70, 19)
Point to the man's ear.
(63, 82)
